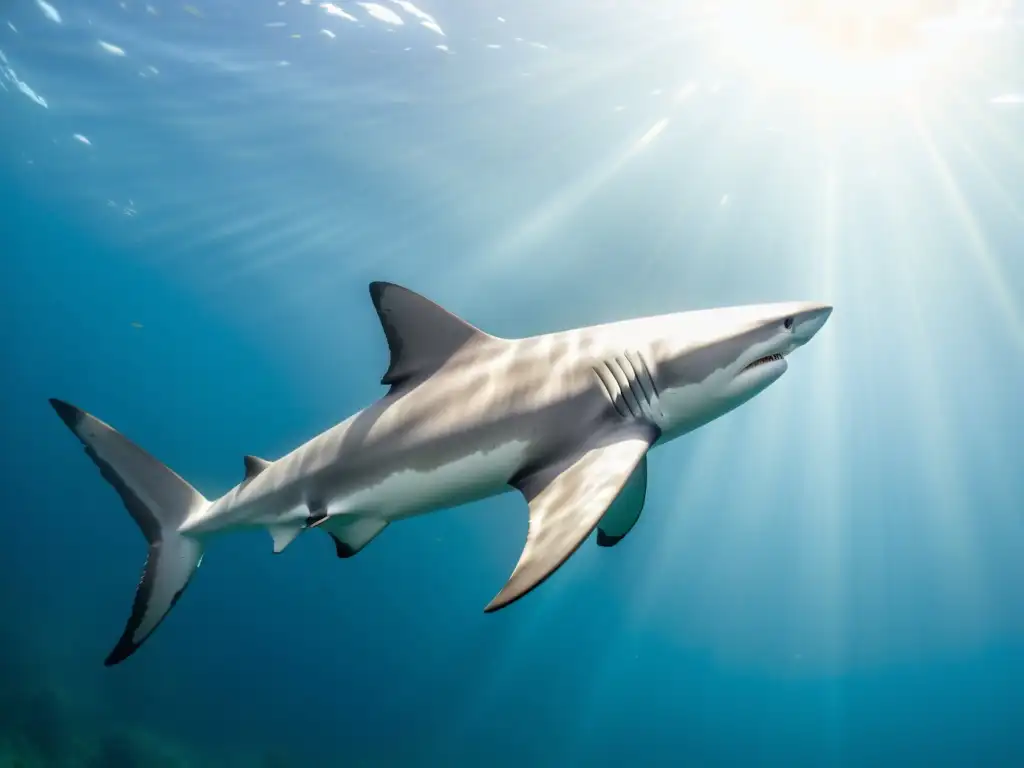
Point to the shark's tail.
(159, 501)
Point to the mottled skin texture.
(458, 392)
(565, 418)
(551, 392)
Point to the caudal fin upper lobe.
(159, 501)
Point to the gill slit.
(612, 394)
(625, 386)
(627, 382)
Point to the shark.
(566, 419)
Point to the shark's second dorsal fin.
(421, 335)
(253, 466)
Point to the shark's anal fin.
(625, 510)
(567, 503)
(351, 535)
(253, 466)
(284, 533)
(421, 335)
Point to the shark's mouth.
(763, 361)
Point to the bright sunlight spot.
(850, 51)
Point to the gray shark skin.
(566, 419)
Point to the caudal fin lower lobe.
(159, 501)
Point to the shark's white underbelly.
(409, 492)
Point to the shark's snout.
(809, 322)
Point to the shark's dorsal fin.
(567, 501)
(421, 335)
(253, 466)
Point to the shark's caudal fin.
(159, 501)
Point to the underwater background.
(194, 198)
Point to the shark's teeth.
(763, 360)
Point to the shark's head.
(710, 361)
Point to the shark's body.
(565, 418)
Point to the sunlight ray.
(1012, 150)
(516, 244)
(822, 571)
(953, 535)
(988, 121)
(720, 148)
(976, 241)
(195, 227)
(681, 513)
(748, 514)
(501, 672)
(670, 519)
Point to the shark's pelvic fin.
(159, 501)
(567, 504)
(625, 510)
(421, 335)
(317, 513)
(284, 534)
(254, 465)
(351, 535)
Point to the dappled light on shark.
(568, 424)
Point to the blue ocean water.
(194, 200)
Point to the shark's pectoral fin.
(421, 335)
(625, 510)
(351, 535)
(567, 503)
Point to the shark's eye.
(788, 322)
